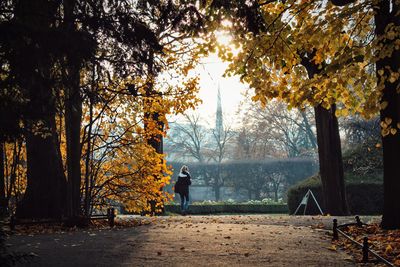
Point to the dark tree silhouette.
(45, 48)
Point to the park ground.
(224, 240)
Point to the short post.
(12, 223)
(365, 250)
(358, 221)
(111, 216)
(335, 231)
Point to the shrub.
(213, 208)
(363, 160)
(364, 196)
(255, 176)
(265, 201)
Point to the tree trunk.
(87, 159)
(156, 141)
(32, 66)
(276, 198)
(329, 152)
(73, 116)
(13, 168)
(310, 134)
(217, 184)
(45, 193)
(330, 161)
(3, 199)
(391, 142)
(217, 192)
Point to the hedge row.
(230, 208)
(246, 173)
(362, 198)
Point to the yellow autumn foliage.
(123, 167)
(339, 40)
(14, 171)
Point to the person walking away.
(182, 188)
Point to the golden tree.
(328, 54)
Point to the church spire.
(219, 126)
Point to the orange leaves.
(388, 250)
(385, 242)
(123, 167)
(15, 168)
(318, 58)
(333, 248)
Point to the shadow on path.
(239, 240)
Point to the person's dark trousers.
(184, 202)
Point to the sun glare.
(224, 38)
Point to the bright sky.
(211, 76)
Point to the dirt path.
(253, 240)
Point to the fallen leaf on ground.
(388, 249)
(333, 248)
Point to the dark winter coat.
(182, 185)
